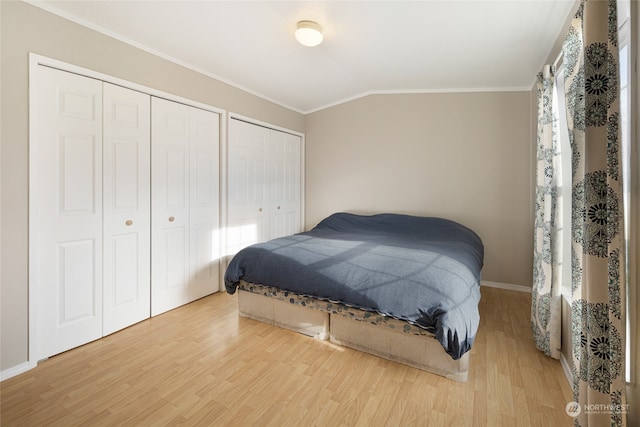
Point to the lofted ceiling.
(369, 46)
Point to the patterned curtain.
(590, 57)
(546, 292)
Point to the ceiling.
(369, 46)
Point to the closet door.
(247, 184)
(185, 204)
(65, 196)
(126, 200)
(292, 206)
(264, 181)
(284, 184)
(204, 205)
(170, 205)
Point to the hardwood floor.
(202, 365)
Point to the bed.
(402, 287)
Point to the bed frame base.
(422, 352)
(306, 321)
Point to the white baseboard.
(566, 367)
(508, 286)
(16, 370)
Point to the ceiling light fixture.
(309, 33)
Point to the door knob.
(129, 222)
(171, 219)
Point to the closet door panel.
(65, 192)
(204, 197)
(169, 205)
(292, 181)
(247, 198)
(275, 183)
(77, 269)
(127, 234)
(285, 184)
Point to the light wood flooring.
(202, 365)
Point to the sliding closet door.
(65, 196)
(127, 223)
(170, 205)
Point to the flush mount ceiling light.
(309, 33)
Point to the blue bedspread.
(422, 270)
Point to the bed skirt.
(362, 330)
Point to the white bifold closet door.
(88, 162)
(185, 208)
(123, 205)
(66, 211)
(247, 170)
(264, 182)
(127, 207)
(284, 183)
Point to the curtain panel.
(546, 291)
(590, 57)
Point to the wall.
(463, 156)
(24, 29)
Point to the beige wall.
(463, 156)
(24, 29)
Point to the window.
(564, 179)
(629, 164)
